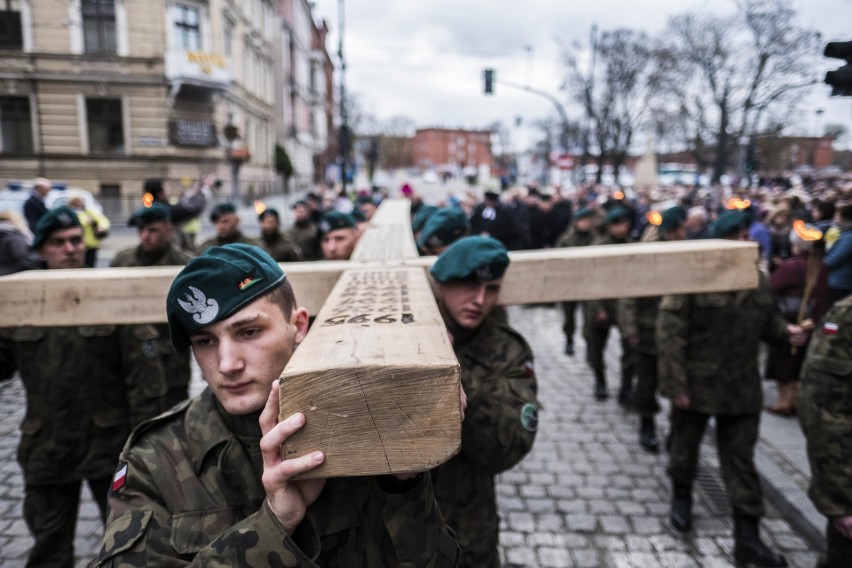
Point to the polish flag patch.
(830, 328)
(120, 478)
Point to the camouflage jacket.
(176, 366)
(592, 307)
(498, 430)
(87, 387)
(280, 248)
(307, 238)
(825, 410)
(707, 345)
(638, 317)
(574, 238)
(170, 256)
(217, 242)
(186, 493)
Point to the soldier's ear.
(299, 318)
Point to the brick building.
(452, 150)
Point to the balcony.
(197, 68)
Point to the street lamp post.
(232, 133)
(344, 127)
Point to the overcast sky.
(423, 59)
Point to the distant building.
(102, 94)
(452, 150)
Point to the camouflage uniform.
(192, 493)
(637, 317)
(280, 248)
(176, 366)
(572, 238)
(825, 412)
(596, 333)
(217, 242)
(498, 430)
(306, 236)
(707, 348)
(87, 387)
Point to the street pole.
(343, 123)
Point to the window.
(11, 30)
(16, 132)
(229, 37)
(98, 26)
(106, 133)
(187, 28)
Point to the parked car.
(13, 196)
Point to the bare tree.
(730, 76)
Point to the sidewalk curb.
(793, 503)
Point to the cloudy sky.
(423, 59)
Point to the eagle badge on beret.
(203, 310)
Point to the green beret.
(334, 220)
(444, 227)
(471, 258)
(145, 215)
(618, 214)
(54, 220)
(269, 211)
(422, 216)
(216, 284)
(221, 209)
(672, 218)
(729, 223)
(358, 215)
(584, 212)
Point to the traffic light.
(489, 81)
(840, 79)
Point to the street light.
(232, 133)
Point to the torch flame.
(735, 203)
(806, 233)
(148, 199)
(654, 217)
(618, 195)
(259, 207)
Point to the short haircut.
(283, 297)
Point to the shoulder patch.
(529, 369)
(529, 417)
(151, 348)
(119, 480)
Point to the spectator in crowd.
(697, 223)
(15, 241)
(95, 227)
(35, 207)
(492, 219)
(838, 259)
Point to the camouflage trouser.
(596, 336)
(569, 325)
(645, 395)
(50, 512)
(736, 436)
(838, 549)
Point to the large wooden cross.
(376, 376)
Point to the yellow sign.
(206, 61)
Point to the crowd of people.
(202, 480)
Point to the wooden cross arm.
(137, 295)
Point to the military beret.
(54, 220)
(672, 218)
(216, 284)
(444, 227)
(145, 215)
(617, 214)
(221, 209)
(269, 211)
(471, 258)
(422, 216)
(364, 200)
(729, 222)
(300, 203)
(584, 212)
(334, 220)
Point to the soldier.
(441, 230)
(707, 347)
(421, 218)
(600, 315)
(224, 217)
(825, 412)
(304, 233)
(580, 234)
(638, 320)
(279, 247)
(497, 375)
(154, 227)
(339, 236)
(87, 387)
(205, 482)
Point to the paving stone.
(554, 557)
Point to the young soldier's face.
(240, 356)
(269, 225)
(64, 248)
(468, 303)
(227, 224)
(339, 244)
(155, 236)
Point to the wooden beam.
(376, 379)
(137, 295)
(388, 238)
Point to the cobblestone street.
(587, 495)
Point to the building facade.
(453, 150)
(103, 94)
